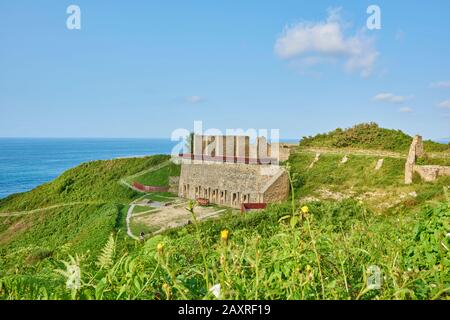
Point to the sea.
(26, 163)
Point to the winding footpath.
(129, 214)
(69, 204)
(124, 182)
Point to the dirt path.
(129, 214)
(69, 204)
(362, 152)
(184, 219)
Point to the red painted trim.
(252, 206)
(144, 188)
(228, 159)
(202, 201)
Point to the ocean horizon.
(26, 163)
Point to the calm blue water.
(27, 163)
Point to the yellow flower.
(167, 291)
(224, 235)
(160, 247)
(305, 209)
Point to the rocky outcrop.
(379, 164)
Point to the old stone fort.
(231, 171)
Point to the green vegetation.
(357, 219)
(159, 196)
(74, 214)
(427, 160)
(357, 178)
(326, 254)
(75, 229)
(159, 177)
(92, 181)
(359, 171)
(369, 136)
(138, 227)
(140, 209)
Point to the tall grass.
(325, 256)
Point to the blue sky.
(143, 69)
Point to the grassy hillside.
(159, 177)
(326, 253)
(74, 214)
(369, 136)
(91, 181)
(381, 189)
(30, 239)
(358, 219)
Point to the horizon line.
(122, 138)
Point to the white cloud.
(195, 99)
(391, 98)
(444, 104)
(440, 84)
(405, 110)
(324, 41)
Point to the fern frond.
(106, 256)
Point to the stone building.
(229, 171)
(426, 172)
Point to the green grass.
(139, 209)
(160, 196)
(426, 160)
(358, 176)
(324, 255)
(96, 206)
(76, 229)
(358, 171)
(159, 178)
(138, 227)
(92, 181)
(369, 136)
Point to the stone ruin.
(426, 172)
(229, 171)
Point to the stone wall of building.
(415, 150)
(281, 151)
(228, 170)
(277, 189)
(431, 172)
(231, 184)
(426, 172)
(239, 148)
(174, 184)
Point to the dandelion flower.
(160, 247)
(167, 291)
(305, 209)
(224, 235)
